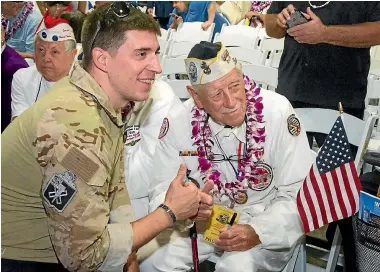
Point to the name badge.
(132, 135)
(220, 217)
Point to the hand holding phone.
(296, 18)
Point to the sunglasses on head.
(119, 9)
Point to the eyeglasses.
(222, 157)
(119, 9)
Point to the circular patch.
(294, 125)
(54, 38)
(241, 197)
(44, 35)
(264, 178)
(193, 73)
(164, 128)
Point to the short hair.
(76, 20)
(111, 35)
(70, 45)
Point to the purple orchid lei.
(28, 7)
(255, 135)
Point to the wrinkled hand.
(311, 32)
(205, 206)
(177, 20)
(132, 265)
(240, 237)
(284, 15)
(206, 25)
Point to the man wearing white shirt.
(247, 141)
(140, 139)
(55, 50)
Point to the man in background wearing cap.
(54, 55)
(250, 143)
(63, 190)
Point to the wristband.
(169, 211)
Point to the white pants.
(175, 254)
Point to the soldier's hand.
(284, 15)
(182, 199)
(240, 237)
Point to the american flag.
(331, 190)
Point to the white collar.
(239, 132)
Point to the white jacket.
(272, 212)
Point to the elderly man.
(55, 52)
(250, 143)
(63, 194)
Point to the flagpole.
(340, 108)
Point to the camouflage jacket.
(63, 188)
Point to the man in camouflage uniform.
(63, 191)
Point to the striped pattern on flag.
(330, 192)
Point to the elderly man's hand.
(311, 32)
(206, 203)
(240, 237)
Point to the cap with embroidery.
(208, 61)
(53, 29)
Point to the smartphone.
(173, 15)
(296, 18)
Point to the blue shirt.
(197, 12)
(23, 39)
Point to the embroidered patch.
(79, 163)
(294, 125)
(241, 197)
(60, 190)
(188, 153)
(164, 128)
(206, 68)
(263, 179)
(193, 73)
(132, 135)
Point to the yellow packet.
(378, 192)
(220, 217)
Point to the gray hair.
(70, 45)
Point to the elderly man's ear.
(194, 94)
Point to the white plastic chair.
(192, 31)
(358, 132)
(246, 55)
(171, 67)
(272, 48)
(265, 76)
(179, 49)
(374, 69)
(375, 52)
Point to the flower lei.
(28, 8)
(255, 132)
(260, 5)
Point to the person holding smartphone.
(325, 61)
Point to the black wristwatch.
(169, 211)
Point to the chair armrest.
(372, 158)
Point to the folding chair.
(273, 49)
(179, 49)
(171, 67)
(265, 76)
(358, 133)
(247, 55)
(192, 31)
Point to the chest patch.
(164, 128)
(264, 177)
(132, 135)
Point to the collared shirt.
(28, 86)
(23, 39)
(63, 188)
(325, 74)
(271, 210)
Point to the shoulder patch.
(164, 128)
(60, 190)
(294, 125)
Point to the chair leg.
(334, 251)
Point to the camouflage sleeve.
(76, 193)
